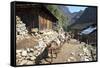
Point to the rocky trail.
(71, 52)
(49, 46)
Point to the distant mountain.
(72, 17)
(89, 15)
(75, 16)
(88, 18)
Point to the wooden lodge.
(36, 16)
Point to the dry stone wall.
(21, 31)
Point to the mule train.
(53, 48)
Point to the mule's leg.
(51, 55)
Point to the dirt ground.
(26, 43)
(68, 53)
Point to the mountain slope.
(72, 17)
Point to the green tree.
(62, 19)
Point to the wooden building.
(89, 35)
(36, 16)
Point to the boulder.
(30, 54)
(30, 63)
(31, 50)
(35, 30)
(24, 53)
(28, 50)
(23, 62)
(32, 58)
(18, 51)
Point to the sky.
(75, 8)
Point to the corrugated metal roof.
(88, 30)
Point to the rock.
(81, 54)
(45, 62)
(28, 58)
(32, 58)
(34, 30)
(82, 58)
(30, 54)
(20, 22)
(86, 59)
(24, 53)
(23, 62)
(41, 44)
(28, 50)
(57, 41)
(36, 47)
(72, 58)
(29, 63)
(31, 50)
(68, 60)
(72, 53)
(23, 28)
(20, 25)
(18, 51)
(18, 62)
(41, 32)
(86, 51)
(35, 53)
(20, 29)
(18, 56)
(82, 43)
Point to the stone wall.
(21, 31)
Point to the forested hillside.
(64, 16)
